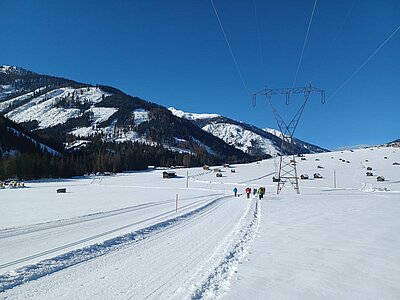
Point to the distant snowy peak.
(245, 140)
(273, 132)
(245, 137)
(191, 116)
(13, 70)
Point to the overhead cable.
(364, 63)
(230, 49)
(304, 44)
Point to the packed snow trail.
(197, 241)
(19, 249)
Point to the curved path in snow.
(173, 257)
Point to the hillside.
(16, 140)
(78, 114)
(245, 137)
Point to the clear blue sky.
(173, 53)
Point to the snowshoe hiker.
(235, 190)
(248, 191)
(261, 192)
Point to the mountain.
(78, 114)
(16, 140)
(245, 137)
(395, 143)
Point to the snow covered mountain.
(395, 143)
(248, 138)
(15, 140)
(76, 114)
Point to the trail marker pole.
(176, 203)
(287, 171)
(334, 179)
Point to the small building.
(370, 174)
(169, 174)
(304, 176)
(225, 165)
(218, 174)
(206, 168)
(274, 179)
(380, 178)
(233, 171)
(348, 161)
(61, 191)
(320, 167)
(396, 164)
(217, 170)
(317, 159)
(385, 157)
(303, 158)
(369, 169)
(317, 175)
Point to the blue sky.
(174, 53)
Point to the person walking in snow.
(248, 191)
(235, 190)
(254, 191)
(261, 192)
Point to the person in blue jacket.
(235, 190)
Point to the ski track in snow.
(93, 237)
(11, 232)
(218, 281)
(46, 267)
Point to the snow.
(273, 132)
(191, 116)
(7, 90)
(43, 108)
(120, 236)
(241, 138)
(206, 147)
(15, 101)
(101, 114)
(8, 69)
(78, 144)
(140, 115)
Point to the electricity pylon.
(287, 163)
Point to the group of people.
(260, 192)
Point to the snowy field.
(120, 237)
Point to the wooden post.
(176, 203)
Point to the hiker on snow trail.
(261, 192)
(235, 190)
(248, 191)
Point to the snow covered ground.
(120, 237)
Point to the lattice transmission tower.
(287, 171)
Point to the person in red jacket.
(248, 191)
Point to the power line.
(364, 63)
(230, 49)
(304, 44)
(343, 23)
(258, 34)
